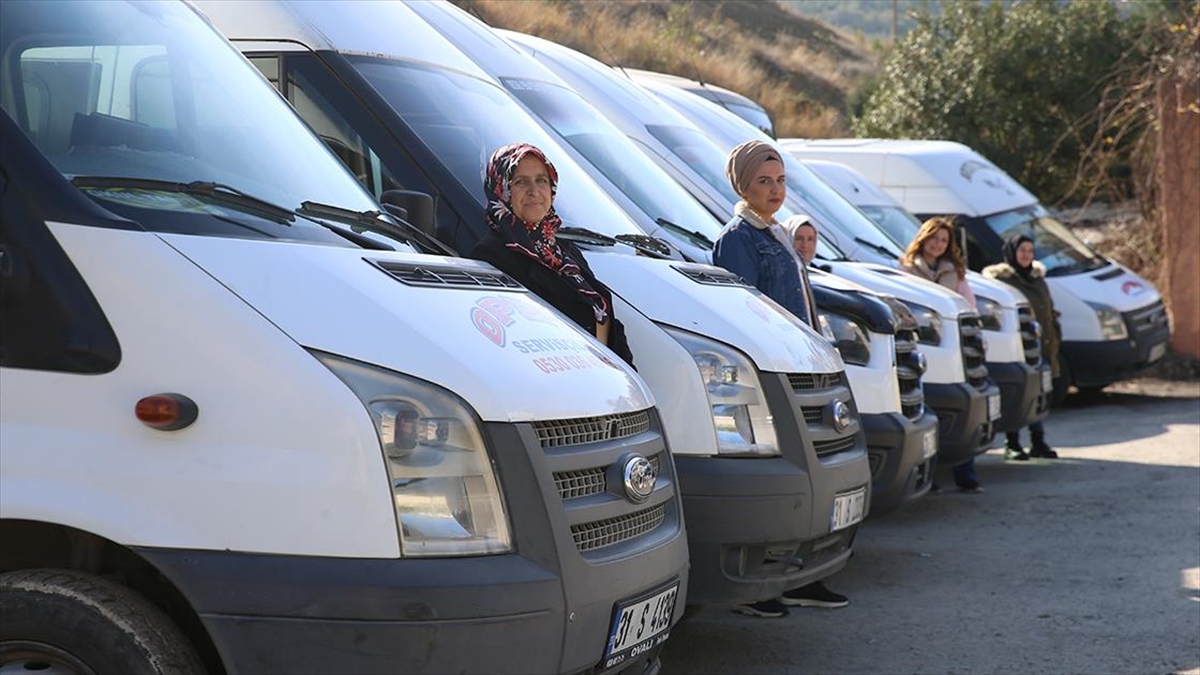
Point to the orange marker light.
(167, 412)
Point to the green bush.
(1018, 84)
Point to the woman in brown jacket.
(1027, 275)
(934, 255)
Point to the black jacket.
(550, 287)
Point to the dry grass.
(802, 71)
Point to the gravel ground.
(1086, 564)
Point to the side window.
(332, 128)
(49, 319)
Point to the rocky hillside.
(802, 70)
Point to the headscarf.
(791, 226)
(1010, 254)
(745, 160)
(536, 240)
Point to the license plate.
(847, 509)
(929, 444)
(993, 407)
(1157, 352)
(1047, 380)
(639, 625)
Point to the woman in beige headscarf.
(748, 246)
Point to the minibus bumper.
(1022, 398)
(900, 459)
(964, 429)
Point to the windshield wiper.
(692, 234)
(877, 248)
(218, 192)
(651, 246)
(586, 236)
(374, 221)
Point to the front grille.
(813, 414)
(1147, 319)
(973, 352)
(592, 481)
(909, 368)
(446, 275)
(807, 381)
(582, 430)
(711, 276)
(611, 531)
(1030, 340)
(833, 446)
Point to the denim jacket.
(758, 257)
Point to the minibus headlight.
(1112, 324)
(990, 313)
(929, 324)
(443, 483)
(853, 341)
(743, 421)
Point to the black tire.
(64, 621)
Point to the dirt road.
(1086, 564)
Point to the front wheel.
(69, 622)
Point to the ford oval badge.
(841, 415)
(640, 476)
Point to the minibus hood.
(701, 299)
(510, 356)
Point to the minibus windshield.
(612, 153)
(1053, 244)
(806, 192)
(894, 221)
(463, 120)
(147, 108)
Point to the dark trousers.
(964, 474)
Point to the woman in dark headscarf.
(1020, 270)
(520, 186)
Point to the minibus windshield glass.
(612, 153)
(1053, 244)
(147, 108)
(462, 120)
(896, 222)
(806, 192)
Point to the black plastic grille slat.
(438, 275)
(611, 531)
(584, 482)
(1029, 336)
(809, 381)
(833, 446)
(823, 388)
(1030, 341)
(582, 430)
(973, 351)
(908, 374)
(1147, 319)
(813, 414)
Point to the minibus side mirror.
(418, 208)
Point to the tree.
(1012, 83)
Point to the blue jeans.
(964, 474)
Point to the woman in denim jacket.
(748, 246)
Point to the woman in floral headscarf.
(520, 186)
